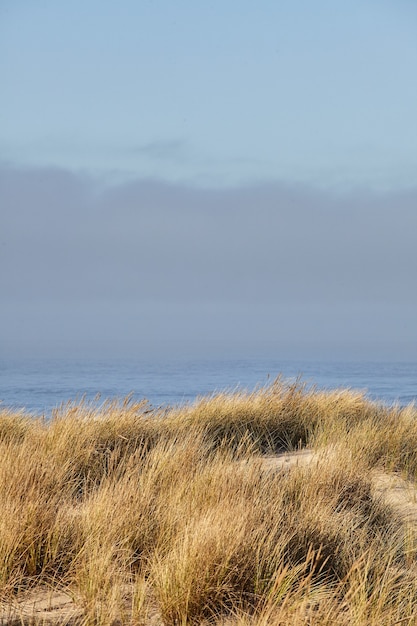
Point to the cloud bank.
(148, 268)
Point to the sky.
(208, 179)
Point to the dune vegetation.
(285, 505)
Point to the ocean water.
(38, 386)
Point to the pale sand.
(42, 606)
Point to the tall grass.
(173, 517)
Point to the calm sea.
(40, 385)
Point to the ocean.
(38, 386)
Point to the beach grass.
(210, 512)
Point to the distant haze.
(149, 268)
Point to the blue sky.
(209, 178)
(213, 92)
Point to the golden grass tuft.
(190, 515)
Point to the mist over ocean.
(40, 385)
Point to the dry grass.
(174, 517)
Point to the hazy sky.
(208, 178)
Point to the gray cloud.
(157, 267)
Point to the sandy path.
(394, 490)
(51, 607)
(40, 606)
